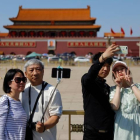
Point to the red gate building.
(57, 31)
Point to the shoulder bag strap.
(8, 104)
(8, 112)
(32, 114)
(43, 100)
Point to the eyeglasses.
(19, 79)
(119, 69)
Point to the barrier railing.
(74, 127)
(15, 64)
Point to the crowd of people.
(31, 111)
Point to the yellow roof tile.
(3, 34)
(53, 15)
(114, 35)
(52, 27)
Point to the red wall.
(41, 47)
(61, 47)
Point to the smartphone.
(65, 72)
(122, 50)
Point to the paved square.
(71, 94)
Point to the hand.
(118, 79)
(110, 51)
(40, 127)
(128, 78)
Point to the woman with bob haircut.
(125, 100)
(13, 118)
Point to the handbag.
(29, 128)
(29, 133)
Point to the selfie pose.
(125, 100)
(43, 126)
(13, 118)
(99, 116)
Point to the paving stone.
(71, 93)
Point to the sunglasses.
(19, 79)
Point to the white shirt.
(54, 108)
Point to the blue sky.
(109, 13)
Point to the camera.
(122, 50)
(32, 125)
(62, 72)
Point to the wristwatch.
(133, 85)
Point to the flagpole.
(120, 34)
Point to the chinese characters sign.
(17, 44)
(86, 44)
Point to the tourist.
(125, 100)
(44, 129)
(99, 116)
(13, 118)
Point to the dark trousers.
(94, 134)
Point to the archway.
(28, 53)
(73, 53)
(13, 53)
(51, 52)
(1, 53)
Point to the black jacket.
(98, 112)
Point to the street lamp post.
(138, 44)
(108, 40)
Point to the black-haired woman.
(12, 115)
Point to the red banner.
(131, 31)
(86, 44)
(112, 31)
(122, 30)
(17, 44)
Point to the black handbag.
(29, 127)
(29, 133)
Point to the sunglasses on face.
(19, 79)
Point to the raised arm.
(129, 81)
(115, 102)
(97, 65)
(136, 92)
(92, 73)
(109, 52)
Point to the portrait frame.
(51, 44)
